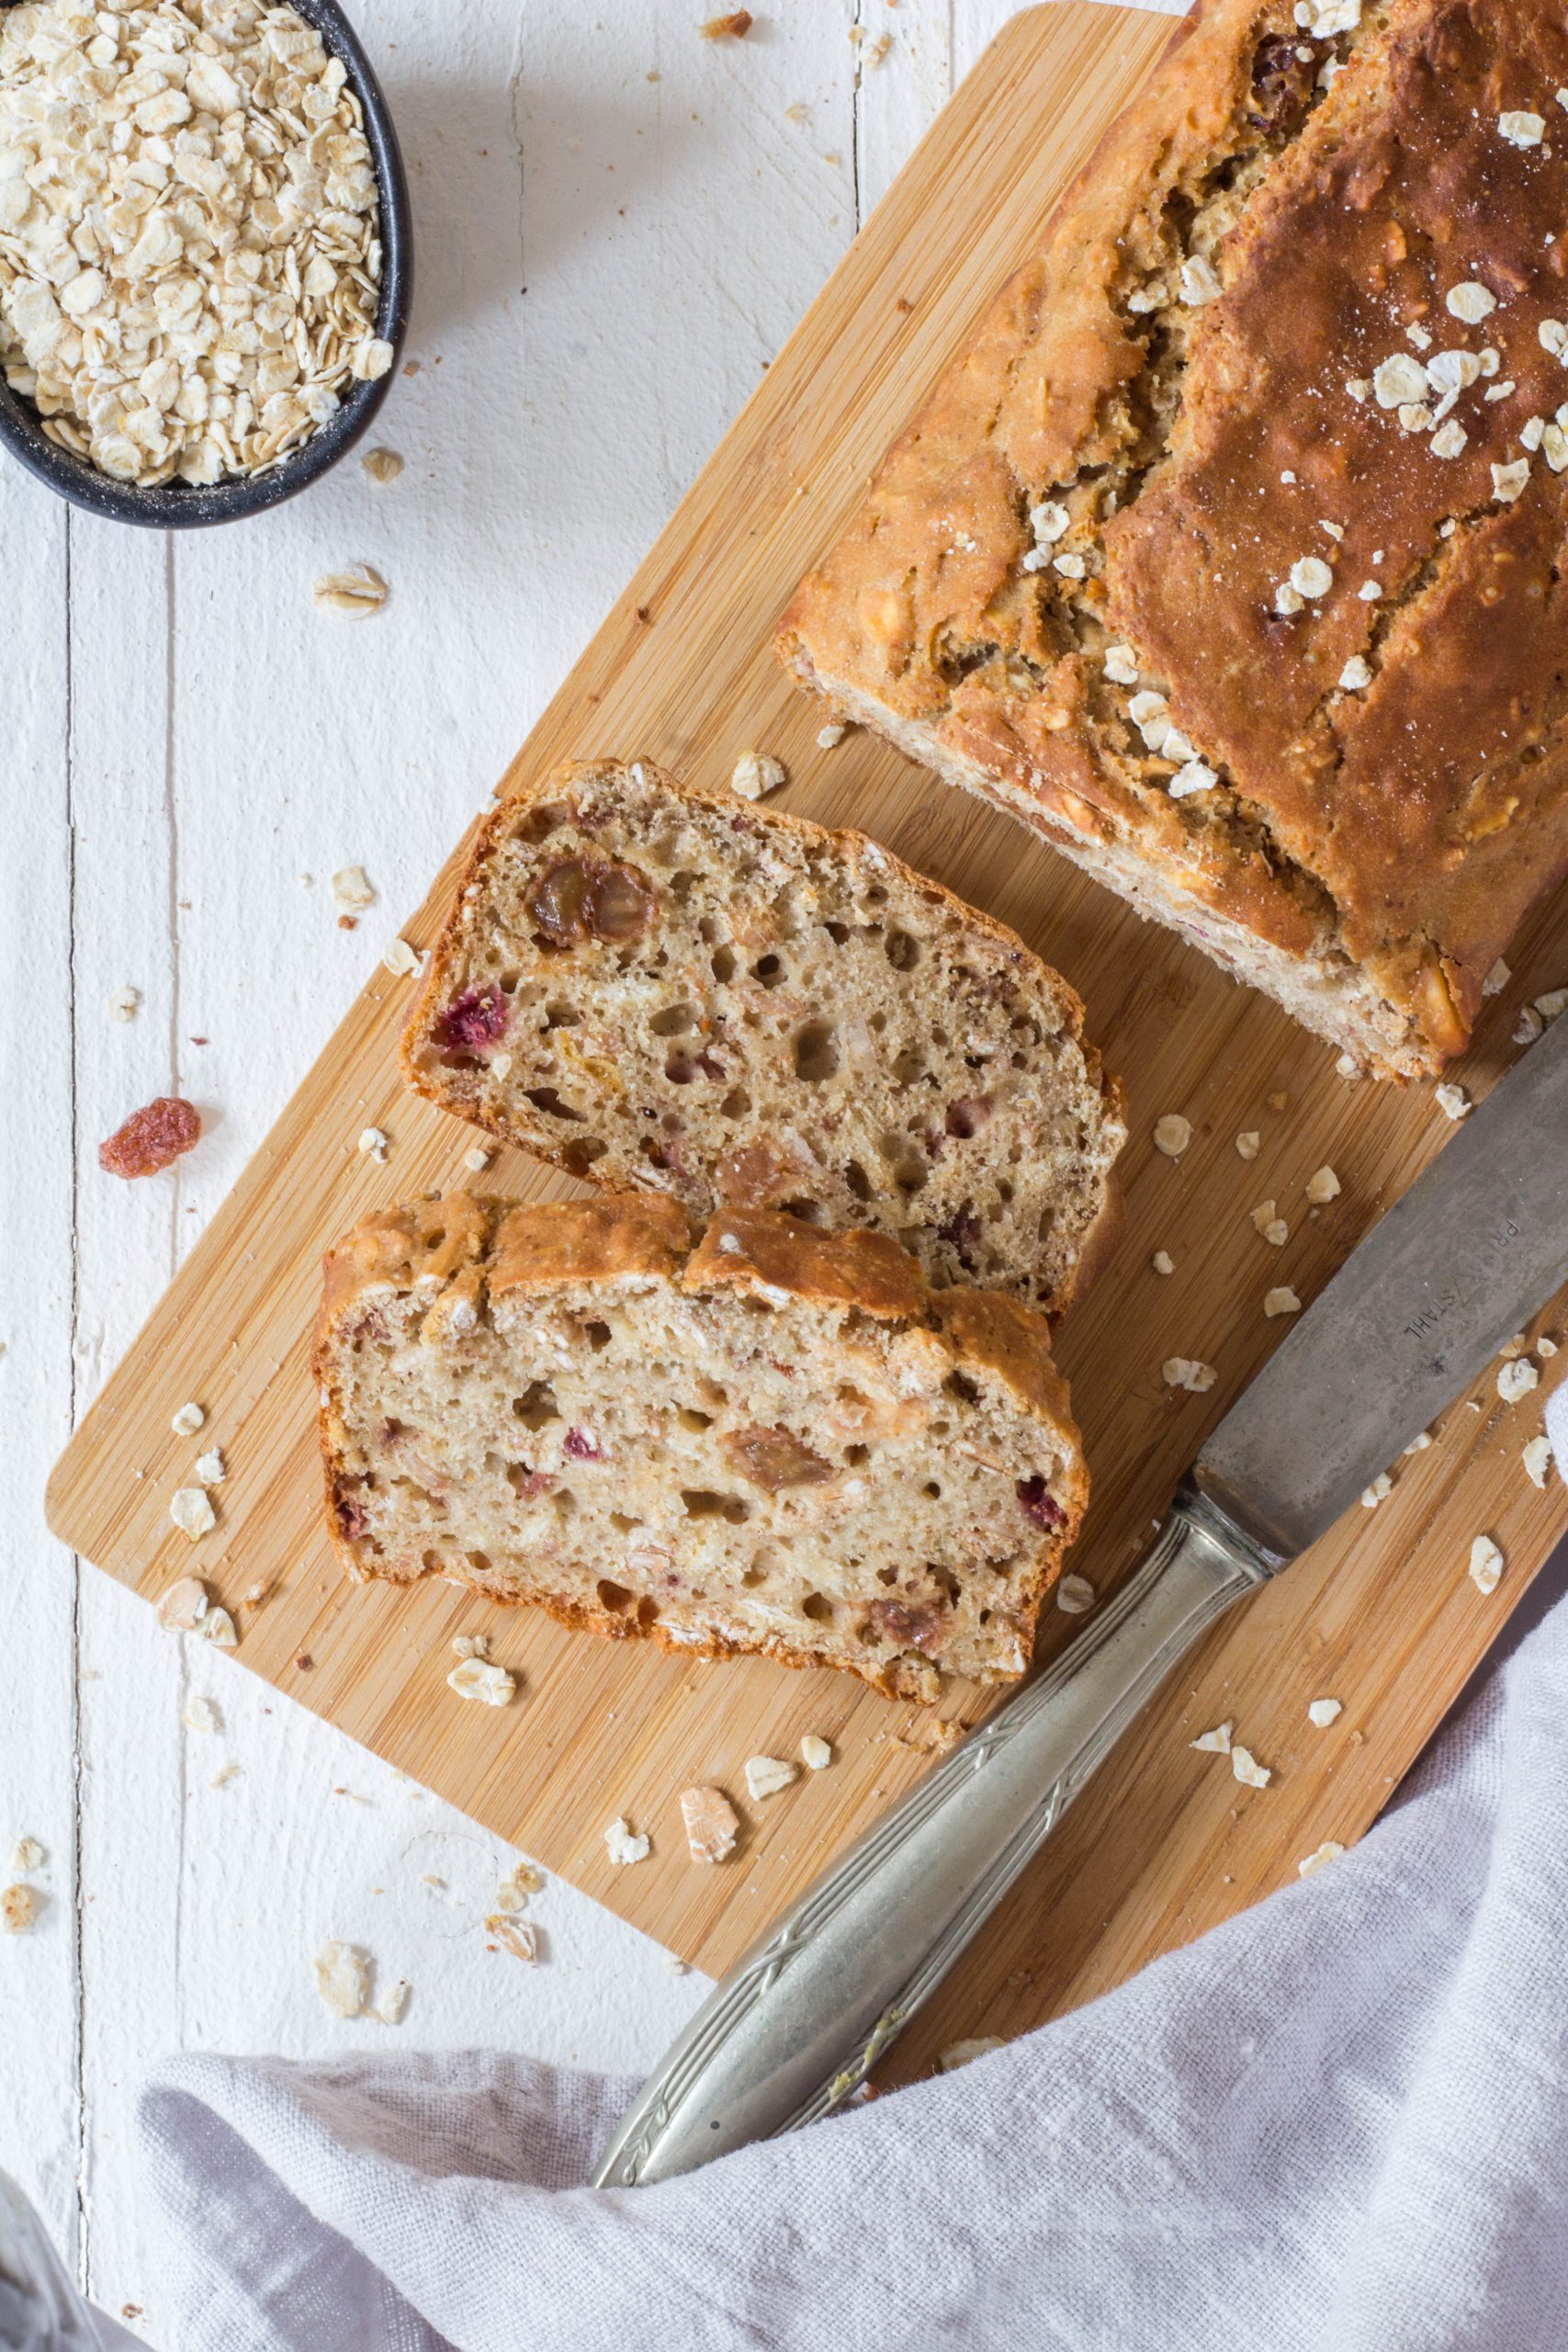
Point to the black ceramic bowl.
(177, 505)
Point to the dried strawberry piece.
(1042, 1506)
(473, 1021)
(153, 1137)
(351, 1518)
(578, 1446)
(919, 1628)
(773, 1458)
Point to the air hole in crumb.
(808, 1211)
(932, 1489)
(647, 1612)
(754, 1576)
(431, 1563)
(690, 1418)
(673, 1020)
(858, 1181)
(613, 1596)
(723, 965)
(479, 1560)
(562, 1016)
(597, 1335)
(1004, 1193)
(837, 932)
(855, 1454)
(579, 1157)
(959, 1384)
(769, 970)
(700, 1502)
(735, 1104)
(902, 952)
(909, 1066)
(536, 1405)
(546, 1099)
(817, 1608)
(887, 1576)
(911, 1175)
(815, 1052)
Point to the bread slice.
(775, 1440)
(656, 986)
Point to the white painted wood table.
(616, 223)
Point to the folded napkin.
(1337, 2124)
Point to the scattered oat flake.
(382, 465)
(152, 1138)
(829, 738)
(476, 1159)
(1517, 1379)
(125, 1004)
(355, 595)
(187, 1420)
(1323, 1187)
(1281, 1301)
(1172, 1134)
(1536, 1460)
(372, 1145)
(29, 1855)
(1163, 1263)
(1485, 1563)
(400, 959)
(209, 1467)
(476, 1678)
(766, 1775)
(1075, 1596)
(342, 1979)
(1379, 1491)
(352, 889)
(1248, 1768)
(519, 1936)
(183, 1604)
(217, 1627)
(18, 1909)
(815, 1752)
(192, 1512)
(1324, 1712)
(1545, 1348)
(200, 1714)
(388, 2009)
(1329, 1852)
(1186, 1371)
(623, 1846)
(1419, 1442)
(1452, 1101)
(1520, 128)
(1247, 1145)
(735, 26)
(521, 1882)
(959, 2054)
(711, 1823)
(1214, 1743)
(224, 1774)
(756, 773)
(1554, 1001)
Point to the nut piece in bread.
(1230, 555)
(657, 986)
(773, 1441)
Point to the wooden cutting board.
(1381, 1615)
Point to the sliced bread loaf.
(655, 986)
(774, 1440)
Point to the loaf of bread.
(1229, 556)
(777, 1441)
(655, 986)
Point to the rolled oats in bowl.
(190, 234)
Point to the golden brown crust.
(619, 1237)
(445, 1086)
(1399, 831)
(470, 1252)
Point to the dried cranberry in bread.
(656, 986)
(1230, 555)
(776, 1440)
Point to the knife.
(1474, 1248)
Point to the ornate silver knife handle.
(800, 2021)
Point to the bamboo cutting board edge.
(630, 1727)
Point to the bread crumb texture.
(776, 1440)
(662, 988)
(1281, 398)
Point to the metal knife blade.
(1474, 1248)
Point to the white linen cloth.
(1337, 2124)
